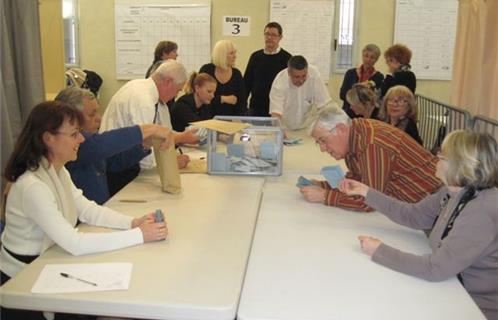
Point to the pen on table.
(67, 275)
(133, 200)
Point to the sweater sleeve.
(249, 74)
(100, 146)
(126, 159)
(472, 232)
(40, 205)
(420, 215)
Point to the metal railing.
(482, 123)
(437, 119)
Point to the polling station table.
(303, 260)
(306, 263)
(196, 274)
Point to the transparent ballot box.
(255, 150)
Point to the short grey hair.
(373, 48)
(74, 96)
(170, 69)
(471, 159)
(330, 116)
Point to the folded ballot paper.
(303, 182)
(333, 175)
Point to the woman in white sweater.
(43, 204)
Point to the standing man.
(376, 154)
(143, 101)
(296, 92)
(262, 68)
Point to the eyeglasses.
(271, 35)
(75, 135)
(397, 102)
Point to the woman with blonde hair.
(230, 96)
(399, 108)
(462, 215)
(363, 100)
(195, 104)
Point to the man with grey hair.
(143, 101)
(113, 150)
(376, 154)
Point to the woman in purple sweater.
(462, 215)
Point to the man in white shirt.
(143, 101)
(296, 92)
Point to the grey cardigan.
(471, 247)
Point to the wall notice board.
(307, 30)
(141, 25)
(428, 28)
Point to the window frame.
(356, 51)
(75, 20)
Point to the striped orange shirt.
(386, 159)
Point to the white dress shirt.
(135, 104)
(294, 104)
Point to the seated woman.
(363, 100)
(194, 105)
(398, 59)
(365, 72)
(43, 205)
(399, 108)
(462, 215)
(230, 97)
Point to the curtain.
(475, 59)
(21, 78)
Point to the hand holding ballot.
(312, 190)
(152, 230)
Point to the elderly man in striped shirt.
(377, 154)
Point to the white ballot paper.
(84, 277)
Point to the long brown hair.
(29, 149)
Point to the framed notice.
(139, 27)
(307, 30)
(428, 28)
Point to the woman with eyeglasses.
(43, 205)
(398, 59)
(399, 108)
(462, 215)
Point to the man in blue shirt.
(113, 150)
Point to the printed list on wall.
(307, 30)
(428, 28)
(140, 27)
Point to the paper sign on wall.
(236, 26)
